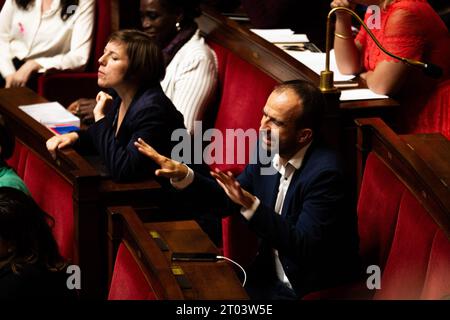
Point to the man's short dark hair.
(313, 103)
(146, 62)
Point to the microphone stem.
(353, 14)
(328, 44)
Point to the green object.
(9, 178)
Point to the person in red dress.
(410, 29)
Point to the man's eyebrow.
(272, 118)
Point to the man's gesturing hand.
(169, 168)
(233, 189)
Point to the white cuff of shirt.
(248, 213)
(185, 182)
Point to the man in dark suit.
(308, 235)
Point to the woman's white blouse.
(191, 79)
(45, 37)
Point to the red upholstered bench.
(248, 69)
(243, 91)
(50, 191)
(399, 235)
(128, 280)
(140, 270)
(401, 229)
(67, 189)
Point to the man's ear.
(304, 135)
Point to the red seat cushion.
(54, 195)
(437, 281)
(128, 282)
(403, 276)
(378, 206)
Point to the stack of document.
(53, 115)
(280, 35)
(316, 62)
(360, 94)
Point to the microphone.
(326, 76)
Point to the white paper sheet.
(360, 94)
(50, 114)
(316, 62)
(280, 35)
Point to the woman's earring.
(178, 26)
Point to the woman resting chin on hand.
(132, 66)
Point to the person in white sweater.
(41, 35)
(191, 66)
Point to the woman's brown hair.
(146, 62)
(27, 231)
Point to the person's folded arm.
(346, 49)
(81, 42)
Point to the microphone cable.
(237, 264)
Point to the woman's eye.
(149, 15)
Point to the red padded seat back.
(54, 195)
(243, 92)
(404, 274)
(437, 281)
(222, 57)
(128, 281)
(378, 205)
(13, 161)
(102, 30)
(18, 158)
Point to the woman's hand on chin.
(104, 101)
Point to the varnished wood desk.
(422, 161)
(434, 149)
(192, 280)
(209, 280)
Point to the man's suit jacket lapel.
(272, 184)
(290, 194)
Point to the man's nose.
(264, 123)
